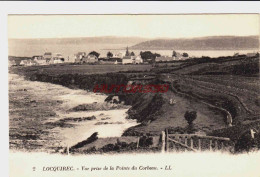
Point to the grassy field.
(246, 89)
(82, 69)
(231, 85)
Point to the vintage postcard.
(87, 93)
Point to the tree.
(94, 53)
(185, 54)
(174, 54)
(190, 116)
(156, 55)
(132, 54)
(149, 56)
(146, 55)
(109, 54)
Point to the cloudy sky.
(150, 26)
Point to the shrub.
(190, 116)
(90, 150)
(185, 55)
(108, 148)
(145, 141)
(246, 143)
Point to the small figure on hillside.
(172, 101)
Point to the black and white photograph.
(133, 83)
(88, 85)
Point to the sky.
(148, 26)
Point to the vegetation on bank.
(93, 144)
(192, 77)
(235, 65)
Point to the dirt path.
(173, 115)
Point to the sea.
(30, 100)
(68, 50)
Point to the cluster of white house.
(118, 58)
(80, 57)
(83, 57)
(176, 56)
(47, 58)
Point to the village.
(93, 57)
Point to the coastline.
(52, 124)
(152, 110)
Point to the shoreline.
(145, 107)
(153, 111)
(104, 119)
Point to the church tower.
(127, 52)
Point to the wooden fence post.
(199, 145)
(163, 141)
(222, 146)
(216, 145)
(191, 142)
(173, 145)
(177, 139)
(137, 144)
(166, 141)
(185, 142)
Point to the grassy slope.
(204, 43)
(215, 89)
(232, 84)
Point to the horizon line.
(152, 38)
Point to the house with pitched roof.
(127, 60)
(58, 58)
(90, 59)
(138, 59)
(48, 57)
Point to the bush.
(190, 116)
(246, 143)
(119, 146)
(145, 141)
(91, 150)
(108, 148)
(185, 55)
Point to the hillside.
(81, 40)
(203, 43)
(69, 46)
